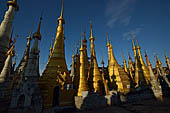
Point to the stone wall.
(90, 102)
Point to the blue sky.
(148, 19)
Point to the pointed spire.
(129, 55)
(61, 16)
(29, 37)
(61, 10)
(167, 60)
(38, 34)
(83, 86)
(77, 48)
(28, 44)
(102, 62)
(147, 59)
(108, 44)
(124, 62)
(84, 35)
(81, 49)
(73, 50)
(85, 41)
(158, 60)
(91, 37)
(134, 48)
(166, 56)
(138, 47)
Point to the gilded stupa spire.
(124, 62)
(58, 52)
(108, 44)
(91, 73)
(167, 60)
(108, 47)
(139, 52)
(81, 47)
(83, 86)
(97, 78)
(94, 71)
(134, 47)
(85, 41)
(139, 75)
(160, 63)
(61, 19)
(147, 59)
(85, 47)
(91, 37)
(144, 68)
(85, 55)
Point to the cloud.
(119, 11)
(136, 31)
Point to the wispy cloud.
(119, 11)
(136, 31)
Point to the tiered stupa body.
(139, 76)
(26, 94)
(20, 68)
(5, 30)
(156, 88)
(73, 72)
(83, 86)
(144, 68)
(56, 77)
(161, 71)
(105, 81)
(85, 55)
(117, 74)
(97, 77)
(77, 71)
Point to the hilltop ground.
(147, 106)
